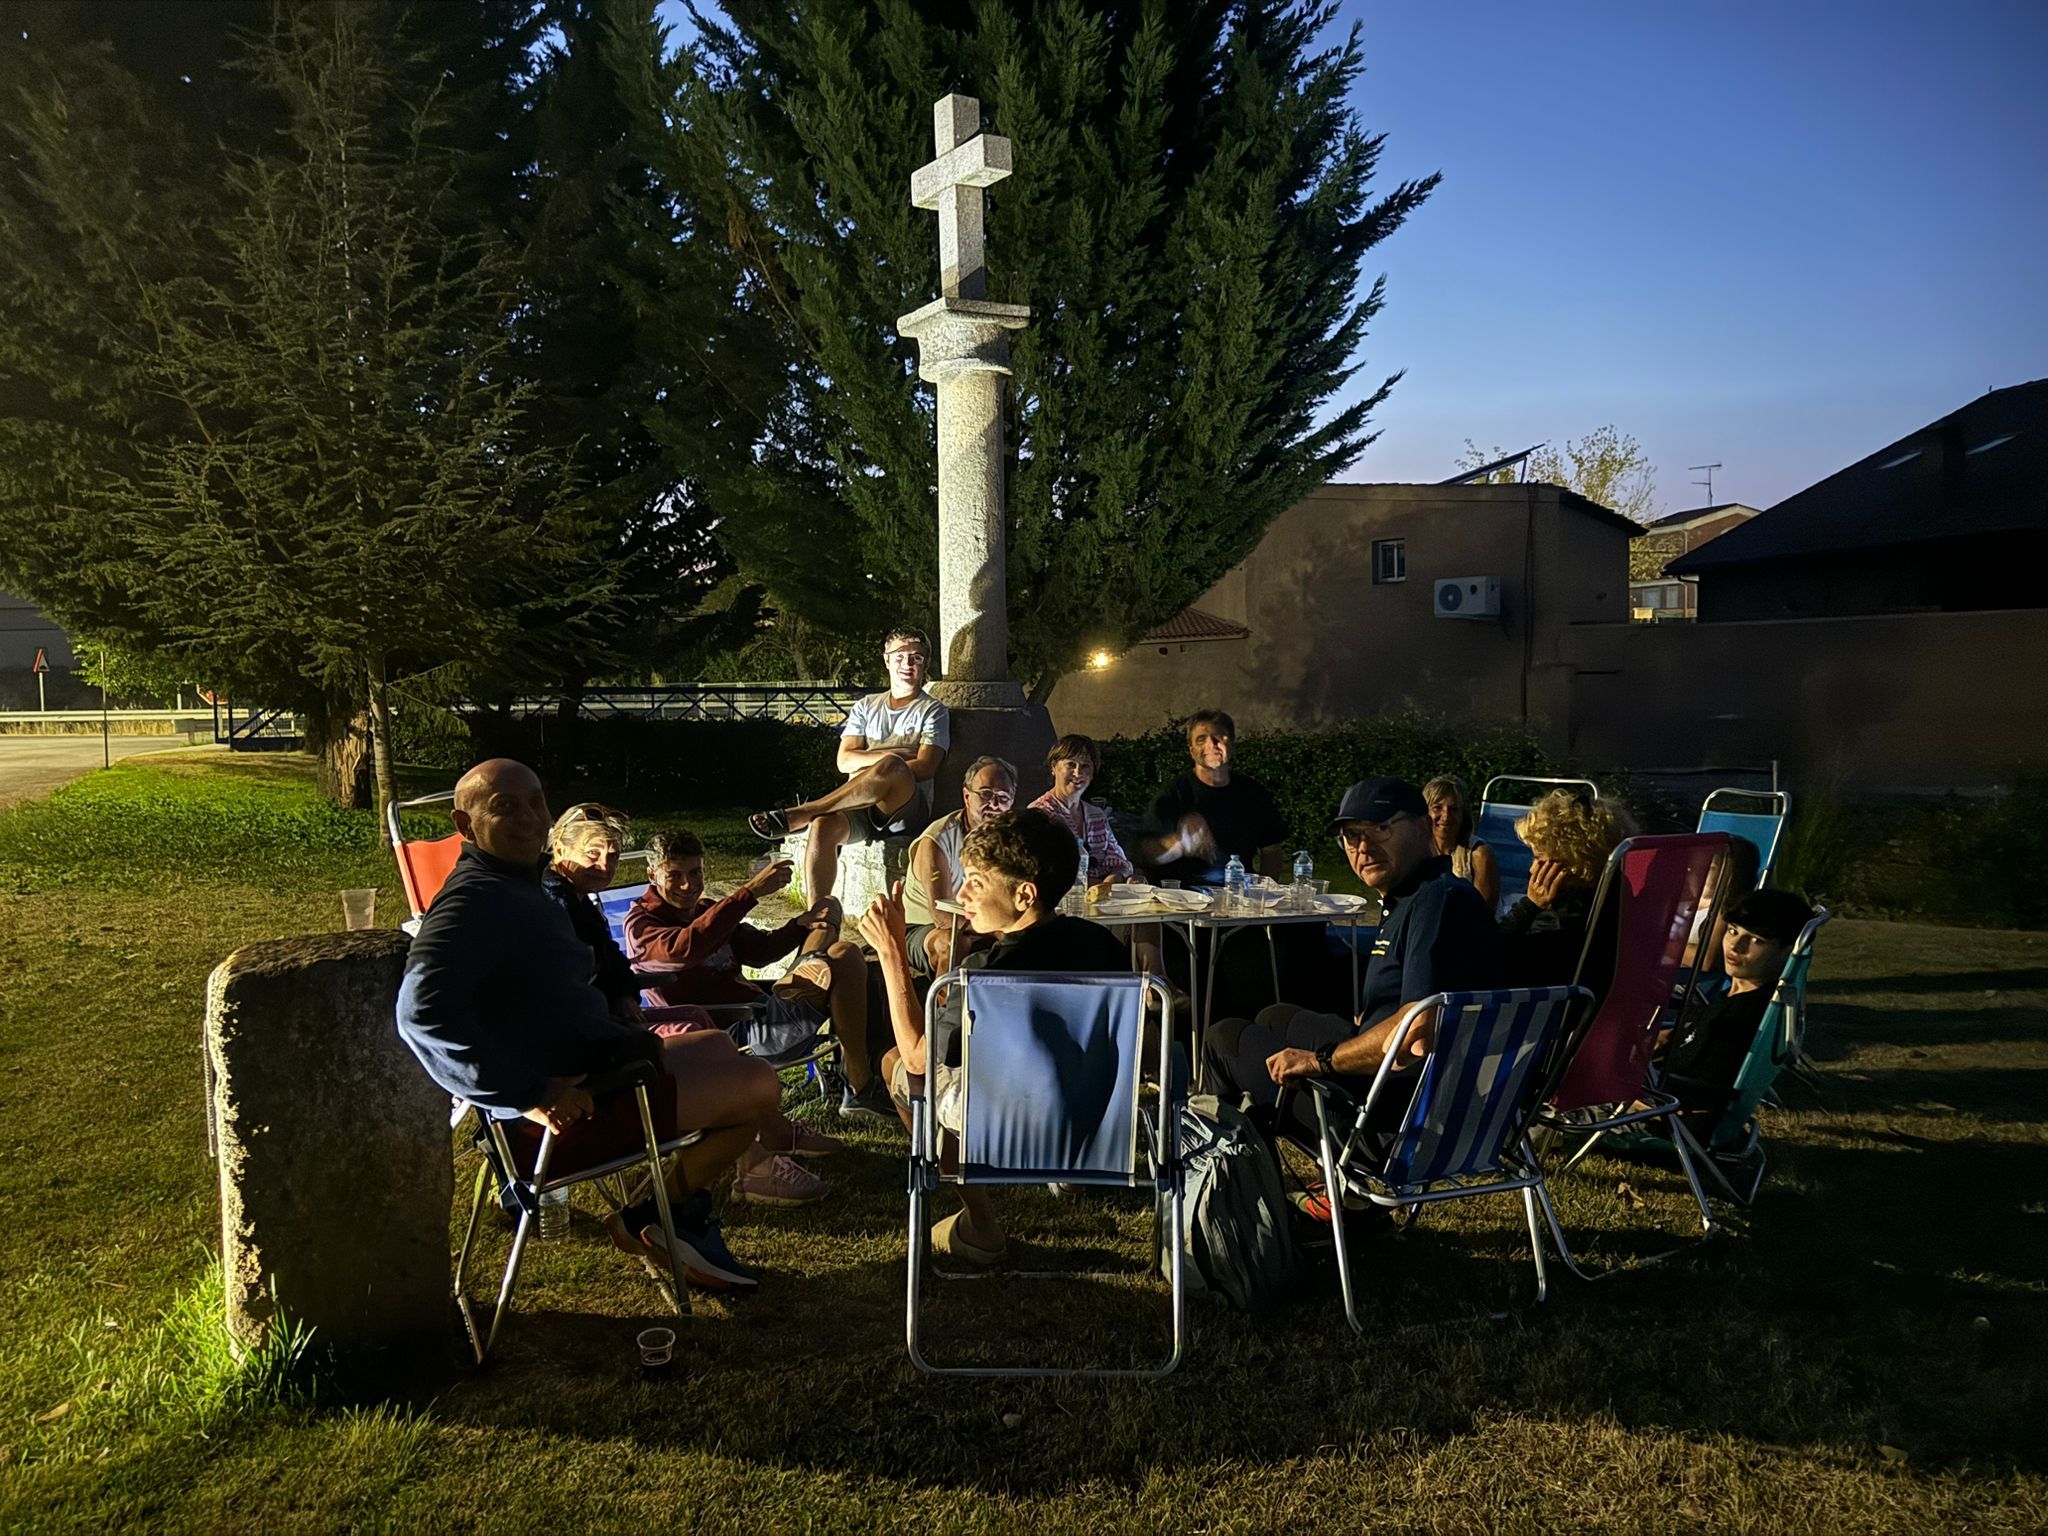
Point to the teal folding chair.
(1496, 828)
(1734, 1148)
(1761, 828)
(1465, 1131)
(1048, 1092)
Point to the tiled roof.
(1193, 624)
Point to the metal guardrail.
(199, 719)
(797, 703)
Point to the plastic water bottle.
(554, 1215)
(1233, 884)
(1075, 903)
(1304, 881)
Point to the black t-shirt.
(1540, 946)
(1056, 943)
(1707, 1051)
(1242, 819)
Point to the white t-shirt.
(947, 834)
(919, 721)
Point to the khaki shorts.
(903, 1088)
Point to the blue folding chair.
(1465, 1131)
(1761, 829)
(1496, 829)
(1048, 1092)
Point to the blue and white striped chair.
(1464, 1129)
(1049, 1092)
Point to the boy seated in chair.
(1705, 1052)
(1016, 868)
(692, 950)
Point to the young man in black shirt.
(1209, 813)
(1017, 867)
(1436, 935)
(1707, 1049)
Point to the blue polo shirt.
(499, 993)
(1437, 934)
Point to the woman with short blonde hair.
(1543, 934)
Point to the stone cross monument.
(964, 352)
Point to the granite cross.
(968, 161)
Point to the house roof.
(1982, 469)
(1451, 494)
(1673, 520)
(1194, 624)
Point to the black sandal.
(769, 826)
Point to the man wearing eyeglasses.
(1436, 935)
(890, 750)
(937, 940)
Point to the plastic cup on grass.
(358, 909)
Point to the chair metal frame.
(1502, 856)
(1507, 1167)
(501, 1169)
(1781, 808)
(1648, 1102)
(1779, 1043)
(1159, 1140)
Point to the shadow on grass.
(2002, 1093)
(2024, 978)
(1840, 1029)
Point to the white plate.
(1340, 901)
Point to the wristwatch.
(1324, 1063)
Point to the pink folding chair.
(1648, 901)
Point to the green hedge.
(648, 766)
(1308, 771)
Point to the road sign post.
(41, 666)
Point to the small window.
(1994, 443)
(1389, 559)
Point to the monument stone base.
(994, 720)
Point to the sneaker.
(1313, 1201)
(782, 1180)
(871, 1103)
(699, 1254)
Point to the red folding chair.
(1645, 908)
(423, 865)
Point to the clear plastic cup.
(358, 909)
(657, 1351)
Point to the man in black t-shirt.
(1017, 866)
(1205, 815)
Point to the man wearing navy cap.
(1436, 935)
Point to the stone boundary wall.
(1916, 703)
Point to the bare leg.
(821, 853)
(729, 1097)
(888, 784)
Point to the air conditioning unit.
(1467, 597)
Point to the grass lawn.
(1863, 1351)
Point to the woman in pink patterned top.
(1074, 761)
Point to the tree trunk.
(1042, 686)
(380, 742)
(338, 735)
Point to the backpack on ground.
(1234, 1212)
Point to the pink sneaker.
(779, 1181)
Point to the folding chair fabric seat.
(1762, 830)
(1466, 1125)
(1050, 1079)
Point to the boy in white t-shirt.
(890, 750)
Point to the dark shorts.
(875, 825)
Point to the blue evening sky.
(1777, 235)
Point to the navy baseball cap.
(1379, 800)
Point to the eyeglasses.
(994, 796)
(1357, 834)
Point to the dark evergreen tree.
(1188, 220)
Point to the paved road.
(35, 765)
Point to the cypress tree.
(1187, 220)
